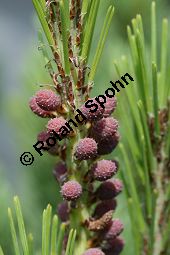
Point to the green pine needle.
(1, 251)
(164, 53)
(30, 243)
(64, 27)
(44, 51)
(72, 243)
(101, 43)
(70, 237)
(51, 229)
(41, 15)
(133, 189)
(146, 135)
(22, 231)
(148, 188)
(60, 238)
(54, 235)
(153, 34)
(89, 29)
(155, 98)
(13, 232)
(43, 5)
(46, 227)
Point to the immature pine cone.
(55, 124)
(109, 189)
(37, 110)
(47, 100)
(86, 149)
(63, 211)
(103, 169)
(93, 251)
(115, 246)
(104, 129)
(71, 190)
(113, 230)
(110, 106)
(92, 114)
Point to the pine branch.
(147, 134)
(51, 245)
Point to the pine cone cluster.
(87, 180)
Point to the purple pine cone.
(104, 129)
(47, 100)
(37, 110)
(92, 116)
(86, 149)
(104, 169)
(55, 124)
(43, 136)
(115, 246)
(60, 172)
(109, 189)
(114, 229)
(71, 190)
(93, 251)
(105, 206)
(110, 106)
(63, 211)
(108, 145)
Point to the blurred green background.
(21, 72)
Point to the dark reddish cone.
(63, 211)
(71, 190)
(109, 189)
(104, 129)
(43, 136)
(105, 206)
(93, 251)
(113, 230)
(110, 106)
(107, 146)
(47, 100)
(55, 124)
(60, 172)
(97, 115)
(86, 149)
(37, 110)
(104, 169)
(115, 246)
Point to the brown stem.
(157, 247)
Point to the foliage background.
(21, 68)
